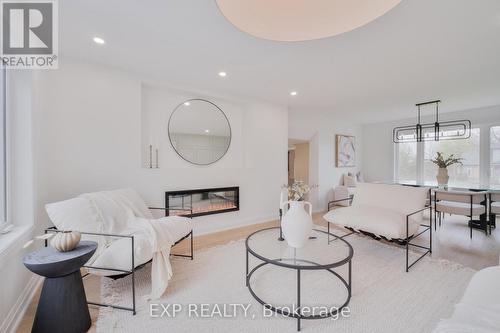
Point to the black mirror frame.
(225, 117)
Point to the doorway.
(298, 161)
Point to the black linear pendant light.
(446, 130)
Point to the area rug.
(209, 294)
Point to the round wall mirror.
(199, 131)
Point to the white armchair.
(110, 218)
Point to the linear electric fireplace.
(192, 203)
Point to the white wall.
(320, 130)
(378, 148)
(89, 123)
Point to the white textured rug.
(384, 297)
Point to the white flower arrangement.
(298, 190)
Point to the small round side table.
(63, 304)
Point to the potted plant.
(297, 223)
(443, 164)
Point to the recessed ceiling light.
(207, 131)
(293, 93)
(99, 40)
(187, 103)
(222, 74)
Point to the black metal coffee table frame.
(279, 262)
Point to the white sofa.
(381, 210)
(108, 212)
(479, 309)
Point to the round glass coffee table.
(322, 253)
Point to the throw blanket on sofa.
(162, 241)
(118, 218)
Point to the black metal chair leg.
(192, 247)
(435, 219)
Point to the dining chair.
(464, 203)
(494, 208)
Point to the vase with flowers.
(443, 164)
(297, 222)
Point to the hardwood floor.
(451, 241)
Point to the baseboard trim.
(16, 314)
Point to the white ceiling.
(420, 50)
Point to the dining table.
(488, 188)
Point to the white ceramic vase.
(65, 241)
(442, 177)
(297, 223)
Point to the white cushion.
(349, 181)
(360, 178)
(76, 214)
(115, 216)
(351, 190)
(342, 192)
(479, 309)
(376, 220)
(403, 199)
(495, 207)
(118, 254)
(133, 200)
(461, 196)
(460, 208)
(484, 288)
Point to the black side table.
(63, 305)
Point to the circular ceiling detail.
(302, 20)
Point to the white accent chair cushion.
(112, 256)
(75, 214)
(479, 308)
(381, 209)
(495, 207)
(460, 208)
(343, 192)
(349, 181)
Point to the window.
(495, 155)
(407, 162)
(413, 160)
(465, 175)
